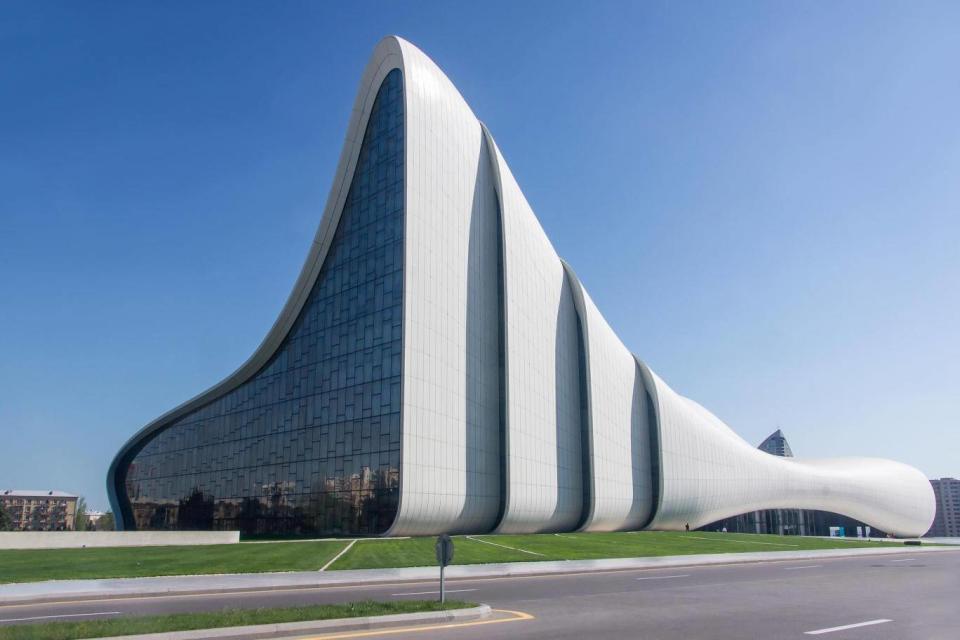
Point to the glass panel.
(311, 443)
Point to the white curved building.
(438, 368)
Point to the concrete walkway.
(55, 590)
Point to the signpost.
(444, 550)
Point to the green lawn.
(418, 552)
(60, 564)
(230, 618)
(32, 565)
(371, 554)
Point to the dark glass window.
(311, 443)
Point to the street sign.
(444, 549)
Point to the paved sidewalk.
(132, 587)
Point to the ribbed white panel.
(710, 473)
(450, 478)
(621, 488)
(543, 455)
(451, 442)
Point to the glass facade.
(311, 443)
(796, 522)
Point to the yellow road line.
(518, 616)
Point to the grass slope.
(576, 546)
(419, 552)
(59, 564)
(32, 565)
(230, 618)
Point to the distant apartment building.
(40, 510)
(946, 524)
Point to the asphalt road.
(918, 597)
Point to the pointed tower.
(776, 444)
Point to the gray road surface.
(919, 595)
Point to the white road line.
(427, 593)
(316, 540)
(337, 557)
(806, 566)
(904, 560)
(503, 546)
(868, 623)
(63, 615)
(774, 544)
(682, 575)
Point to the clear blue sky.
(763, 199)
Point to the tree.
(106, 523)
(80, 520)
(6, 522)
(196, 512)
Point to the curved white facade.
(543, 487)
(617, 426)
(451, 442)
(520, 409)
(709, 473)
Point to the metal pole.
(443, 594)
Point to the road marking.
(904, 560)
(427, 593)
(518, 616)
(64, 615)
(318, 540)
(682, 575)
(337, 557)
(806, 566)
(503, 546)
(868, 623)
(775, 544)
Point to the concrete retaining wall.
(78, 539)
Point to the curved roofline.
(387, 55)
(855, 487)
(886, 494)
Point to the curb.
(317, 626)
(81, 590)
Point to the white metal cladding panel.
(621, 488)
(450, 449)
(450, 478)
(543, 459)
(710, 473)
